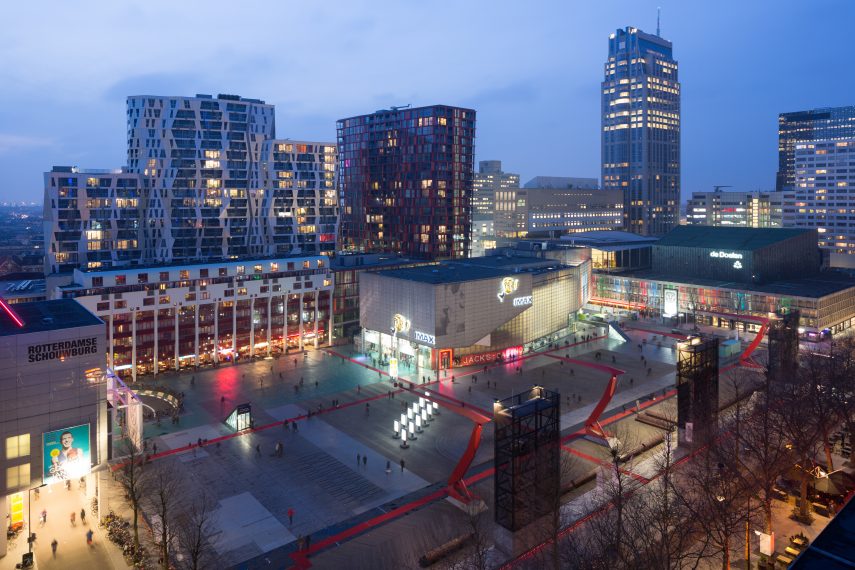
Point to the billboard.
(670, 302)
(66, 454)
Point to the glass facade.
(406, 180)
(834, 123)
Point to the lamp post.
(31, 535)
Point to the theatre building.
(733, 278)
(470, 312)
(53, 413)
(171, 317)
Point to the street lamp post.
(31, 535)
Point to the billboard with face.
(66, 454)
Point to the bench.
(780, 494)
(791, 551)
(820, 509)
(783, 559)
(798, 541)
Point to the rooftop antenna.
(658, 12)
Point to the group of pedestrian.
(362, 459)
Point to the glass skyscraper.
(837, 123)
(406, 181)
(641, 130)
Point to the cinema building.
(172, 317)
(470, 312)
(733, 278)
(54, 424)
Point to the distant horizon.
(533, 76)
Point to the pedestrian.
(89, 537)
(44, 516)
(388, 467)
(358, 388)
(290, 515)
(358, 459)
(82, 516)
(73, 518)
(258, 449)
(367, 409)
(365, 461)
(154, 447)
(295, 363)
(402, 465)
(308, 541)
(53, 544)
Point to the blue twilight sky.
(531, 69)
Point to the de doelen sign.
(728, 255)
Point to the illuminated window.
(17, 446)
(257, 268)
(241, 269)
(184, 274)
(18, 476)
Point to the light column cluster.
(418, 416)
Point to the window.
(203, 273)
(142, 278)
(240, 269)
(18, 476)
(164, 275)
(306, 264)
(120, 279)
(17, 446)
(257, 268)
(184, 274)
(120, 304)
(274, 266)
(224, 272)
(105, 306)
(97, 281)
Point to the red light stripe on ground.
(602, 463)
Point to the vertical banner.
(66, 454)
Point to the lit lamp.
(421, 402)
(424, 417)
(429, 411)
(436, 408)
(404, 444)
(397, 429)
(403, 419)
(409, 413)
(419, 424)
(412, 431)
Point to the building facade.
(171, 317)
(489, 180)
(295, 206)
(473, 312)
(832, 123)
(641, 130)
(736, 209)
(822, 198)
(51, 383)
(556, 211)
(562, 182)
(406, 179)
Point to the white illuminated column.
(421, 402)
(404, 444)
(419, 424)
(429, 411)
(436, 408)
(412, 430)
(403, 419)
(424, 416)
(397, 428)
(409, 413)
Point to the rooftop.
(474, 269)
(40, 316)
(835, 545)
(813, 287)
(728, 238)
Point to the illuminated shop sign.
(670, 302)
(424, 337)
(522, 301)
(508, 286)
(489, 357)
(400, 323)
(66, 454)
(728, 255)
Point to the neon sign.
(507, 286)
(400, 323)
(424, 337)
(726, 254)
(522, 301)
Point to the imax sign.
(522, 301)
(424, 337)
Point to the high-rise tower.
(406, 181)
(641, 130)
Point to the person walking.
(53, 545)
(402, 465)
(258, 449)
(367, 409)
(308, 541)
(388, 467)
(44, 516)
(82, 516)
(73, 518)
(358, 459)
(365, 461)
(290, 515)
(89, 534)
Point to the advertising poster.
(670, 302)
(66, 454)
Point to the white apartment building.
(823, 198)
(736, 209)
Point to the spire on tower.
(658, 12)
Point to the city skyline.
(56, 112)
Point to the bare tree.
(197, 531)
(166, 496)
(133, 480)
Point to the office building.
(489, 180)
(832, 123)
(736, 209)
(641, 130)
(552, 212)
(295, 209)
(406, 179)
(562, 182)
(54, 418)
(822, 197)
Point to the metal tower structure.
(697, 388)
